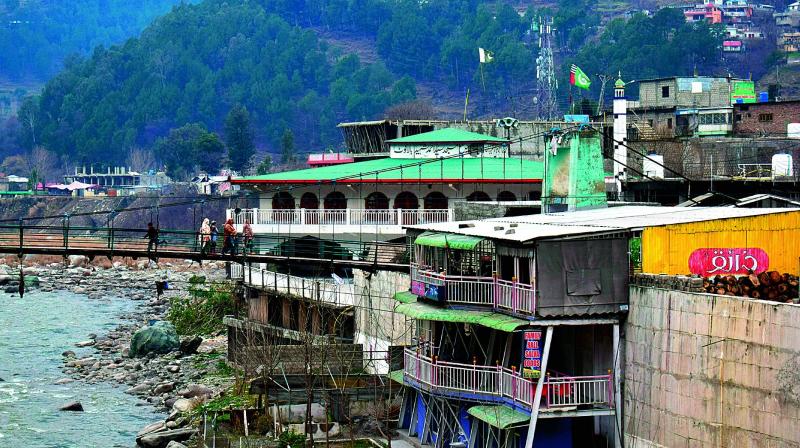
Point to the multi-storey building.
(355, 207)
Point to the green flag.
(578, 78)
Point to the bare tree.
(45, 163)
(412, 110)
(140, 159)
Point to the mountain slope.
(193, 65)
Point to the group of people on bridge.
(209, 235)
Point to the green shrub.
(201, 312)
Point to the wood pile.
(771, 285)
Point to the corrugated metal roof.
(500, 416)
(447, 135)
(497, 321)
(392, 170)
(605, 220)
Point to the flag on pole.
(578, 78)
(485, 56)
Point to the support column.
(537, 398)
(618, 430)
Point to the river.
(34, 331)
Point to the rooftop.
(605, 220)
(392, 170)
(448, 135)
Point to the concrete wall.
(711, 371)
(716, 93)
(377, 325)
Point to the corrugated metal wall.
(666, 250)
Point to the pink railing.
(507, 384)
(483, 291)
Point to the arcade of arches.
(377, 200)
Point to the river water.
(34, 331)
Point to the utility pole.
(546, 82)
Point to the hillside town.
(613, 263)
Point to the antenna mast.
(546, 83)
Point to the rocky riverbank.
(174, 382)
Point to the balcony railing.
(314, 289)
(506, 385)
(349, 217)
(501, 294)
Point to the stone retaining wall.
(704, 370)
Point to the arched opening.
(282, 201)
(335, 208)
(376, 201)
(435, 200)
(478, 196)
(310, 203)
(506, 196)
(406, 200)
(335, 201)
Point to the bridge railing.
(18, 237)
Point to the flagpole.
(466, 102)
(483, 83)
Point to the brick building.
(769, 118)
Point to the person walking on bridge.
(205, 236)
(214, 236)
(229, 232)
(247, 231)
(152, 237)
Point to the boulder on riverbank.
(158, 338)
(74, 406)
(190, 344)
(162, 438)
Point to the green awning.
(451, 240)
(396, 376)
(502, 417)
(405, 297)
(497, 321)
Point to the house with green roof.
(417, 184)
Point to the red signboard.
(722, 261)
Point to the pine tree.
(239, 138)
(288, 155)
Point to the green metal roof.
(396, 375)
(497, 321)
(405, 297)
(500, 416)
(451, 240)
(448, 135)
(391, 170)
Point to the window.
(650, 123)
(765, 118)
(669, 123)
(738, 117)
(664, 91)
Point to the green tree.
(288, 155)
(188, 148)
(239, 138)
(265, 166)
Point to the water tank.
(763, 97)
(793, 130)
(782, 165)
(653, 166)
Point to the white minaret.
(620, 133)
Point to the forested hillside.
(174, 86)
(194, 65)
(36, 35)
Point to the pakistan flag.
(578, 78)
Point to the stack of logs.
(771, 285)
